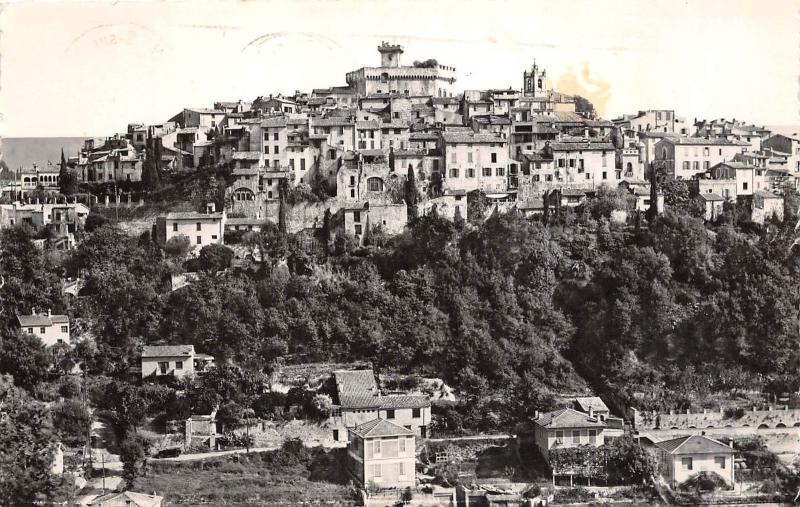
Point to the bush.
(704, 482)
(235, 440)
(572, 495)
(71, 421)
(178, 246)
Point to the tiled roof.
(332, 122)
(711, 197)
(533, 203)
(356, 388)
(191, 215)
(591, 402)
(405, 401)
(568, 418)
(167, 350)
(471, 137)
(423, 136)
(694, 444)
(277, 121)
(247, 155)
(368, 124)
(244, 221)
(582, 146)
(573, 192)
(395, 124)
(41, 320)
(204, 110)
(380, 428)
(698, 141)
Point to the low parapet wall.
(772, 417)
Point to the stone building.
(391, 77)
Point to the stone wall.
(778, 417)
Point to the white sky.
(80, 68)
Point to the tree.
(282, 210)
(66, 180)
(93, 222)
(133, 454)
(71, 421)
(627, 462)
(214, 258)
(411, 194)
(151, 177)
(229, 415)
(178, 246)
(23, 356)
(584, 106)
(406, 496)
(28, 444)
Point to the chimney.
(730, 443)
(49, 314)
(591, 412)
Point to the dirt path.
(214, 454)
(105, 455)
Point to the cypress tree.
(411, 194)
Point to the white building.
(177, 360)
(50, 328)
(200, 228)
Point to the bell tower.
(535, 83)
(390, 54)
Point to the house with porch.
(681, 458)
(177, 360)
(565, 428)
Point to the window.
(358, 229)
(213, 236)
(687, 463)
(487, 171)
(377, 449)
(356, 216)
(744, 185)
(275, 150)
(375, 184)
(719, 461)
(341, 131)
(199, 226)
(685, 165)
(469, 157)
(41, 330)
(576, 437)
(376, 469)
(605, 159)
(705, 151)
(706, 165)
(353, 193)
(561, 162)
(174, 227)
(453, 156)
(500, 171)
(571, 162)
(402, 444)
(454, 172)
(163, 366)
(390, 414)
(559, 436)
(275, 136)
(494, 158)
(592, 436)
(401, 469)
(64, 329)
(605, 175)
(30, 330)
(178, 365)
(199, 240)
(302, 164)
(415, 413)
(471, 172)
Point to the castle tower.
(390, 54)
(535, 83)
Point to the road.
(104, 455)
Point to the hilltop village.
(396, 292)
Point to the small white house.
(681, 458)
(50, 328)
(177, 360)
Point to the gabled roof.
(276, 121)
(167, 350)
(591, 402)
(568, 418)
(381, 428)
(357, 389)
(711, 196)
(582, 146)
(41, 320)
(694, 444)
